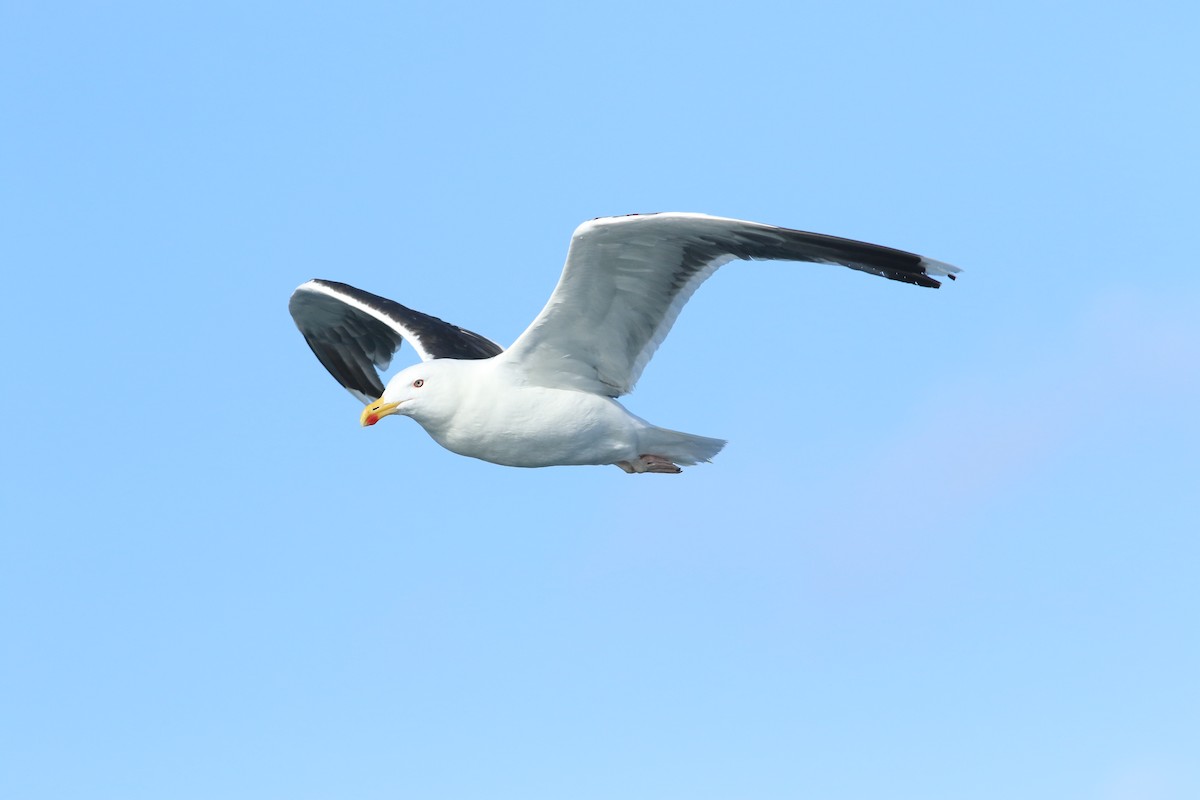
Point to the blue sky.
(951, 550)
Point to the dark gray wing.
(353, 332)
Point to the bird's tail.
(682, 448)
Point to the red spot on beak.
(372, 419)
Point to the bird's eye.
(418, 383)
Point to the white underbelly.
(538, 427)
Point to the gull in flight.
(550, 398)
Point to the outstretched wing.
(353, 332)
(626, 279)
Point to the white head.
(426, 392)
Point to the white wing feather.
(627, 278)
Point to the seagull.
(550, 398)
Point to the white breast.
(518, 425)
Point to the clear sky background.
(951, 550)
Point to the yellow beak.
(377, 411)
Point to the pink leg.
(650, 463)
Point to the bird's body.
(549, 399)
(484, 409)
